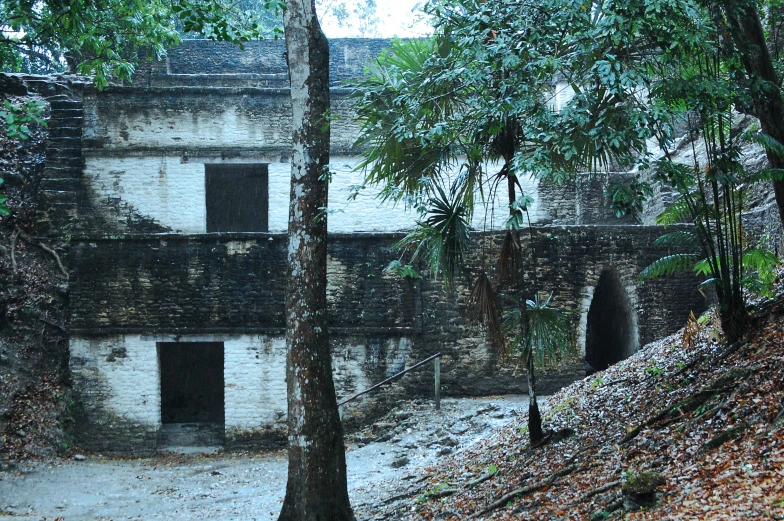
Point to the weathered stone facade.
(131, 196)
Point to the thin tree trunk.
(535, 434)
(316, 489)
(749, 37)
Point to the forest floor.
(386, 464)
(687, 428)
(34, 390)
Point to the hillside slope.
(674, 432)
(33, 310)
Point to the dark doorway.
(237, 198)
(191, 382)
(611, 333)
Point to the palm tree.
(446, 176)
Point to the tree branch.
(13, 251)
(506, 498)
(47, 249)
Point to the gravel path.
(384, 461)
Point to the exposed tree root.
(723, 437)
(779, 420)
(13, 251)
(481, 479)
(596, 491)
(506, 498)
(44, 247)
(50, 323)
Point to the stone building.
(173, 193)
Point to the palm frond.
(767, 174)
(507, 258)
(705, 268)
(765, 140)
(548, 333)
(668, 265)
(678, 239)
(679, 176)
(759, 259)
(442, 239)
(483, 309)
(405, 141)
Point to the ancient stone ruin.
(173, 194)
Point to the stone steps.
(190, 435)
(66, 113)
(62, 152)
(56, 131)
(62, 172)
(56, 196)
(65, 104)
(59, 183)
(66, 162)
(65, 121)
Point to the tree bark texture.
(316, 489)
(749, 37)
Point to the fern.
(668, 265)
(765, 140)
(678, 239)
(677, 212)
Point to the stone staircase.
(60, 190)
(64, 205)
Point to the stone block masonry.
(132, 292)
(128, 188)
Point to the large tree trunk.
(749, 36)
(316, 489)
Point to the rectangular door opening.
(192, 404)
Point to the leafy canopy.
(104, 38)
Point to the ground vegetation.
(687, 428)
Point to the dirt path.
(384, 461)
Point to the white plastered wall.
(121, 375)
(171, 191)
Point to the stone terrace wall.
(234, 283)
(261, 64)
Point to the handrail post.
(438, 383)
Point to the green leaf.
(669, 265)
(678, 239)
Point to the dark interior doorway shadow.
(611, 328)
(192, 398)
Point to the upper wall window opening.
(237, 197)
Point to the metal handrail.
(437, 358)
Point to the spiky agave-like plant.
(546, 335)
